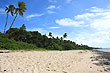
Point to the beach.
(73, 61)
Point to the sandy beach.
(76, 61)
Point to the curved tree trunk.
(6, 22)
(13, 21)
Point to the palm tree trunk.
(6, 23)
(13, 21)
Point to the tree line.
(48, 42)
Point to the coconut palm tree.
(50, 34)
(65, 35)
(21, 8)
(8, 9)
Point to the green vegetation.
(19, 39)
(8, 44)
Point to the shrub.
(55, 46)
(8, 44)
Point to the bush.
(55, 46)
(8, 44)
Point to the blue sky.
(85, 21)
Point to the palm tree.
(65, 35)
(8, 9)
(21, 8)
(50, 34)
(61, 38)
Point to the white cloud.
(54, 27)
(51, 7)
(69, 22)
(85, 16)
(98, 20)
(95, 9)
(101, 24)
(97, 39)
(34, 15)
(2, 11)
(50, 12)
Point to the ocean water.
(104, 49)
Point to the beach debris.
(64, 72)
(92, 60)
(48, 70)
(80, 52)
(100, 70)
(4, 70)
(53, 70)
(106, 63)
(107, 69)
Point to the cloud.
(2, 11)
(50, 12)
(95, 9)
(69, 22)
(97, 20)
(51, 7)
(97, 39)
(54, 27)
(34, 15)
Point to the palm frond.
(21, 13)
(16, 10)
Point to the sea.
(104, 49)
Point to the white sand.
(49, 62)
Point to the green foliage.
(23, 27)
(8, 44)
(1, 34)
(10, 8)
(50, 34)
(65, 35)
(54, 46)
(22, 8)
(36, 38)
(18, 34)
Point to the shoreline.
(72, 61)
